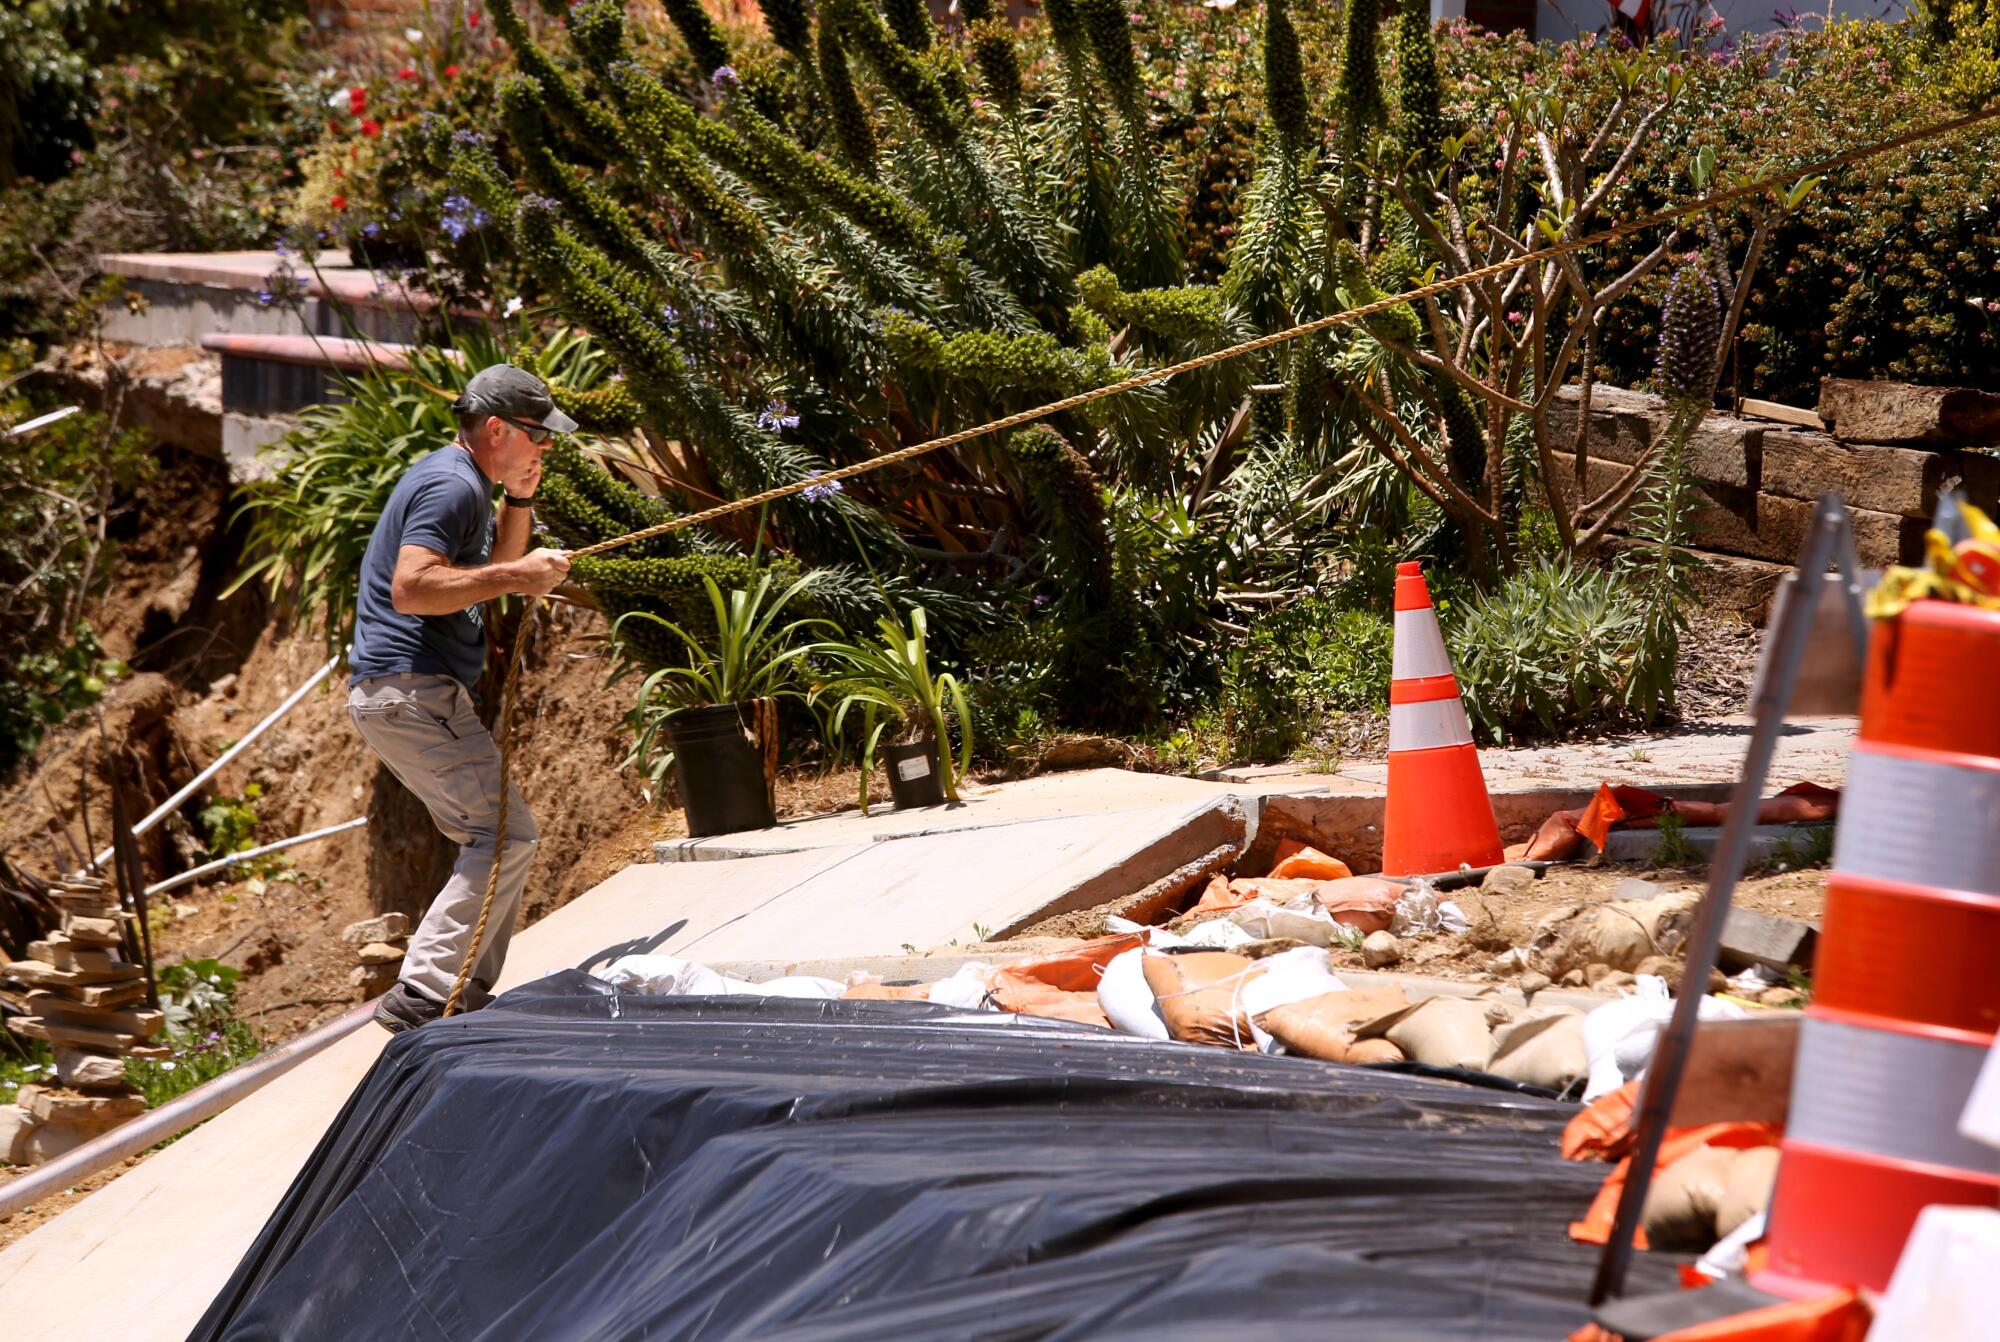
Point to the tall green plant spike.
(1034, 361)
(609, 410)
(1397, 323)
(1066, 26)
(1067, 498)
(852, 130)
(1190, 312)
(790, 22)
(584, 116)
(628, 508)
(705, 41)
(1110, 34)
(1362, 108)
(1271, 240)
(1420, 94)
(999, 63)
(910, 21)
(1285, 100)
(907, 79)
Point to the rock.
(382, 927)
(1617, 981)
(76, 1067)
(1573, 979)
(1085, 752)
(94, 931)
(380, 953)
(1490, 924)
(68, 1108)
(1532, 983)
(1780, 997)
(1860, 411)
(16, 1124)
(373, 980)
(1596, 974)
(1620, 933)
(1508, 880)
(1381, 949)
(1752, 938)
(50, 1140)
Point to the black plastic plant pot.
(914, 779)
(721, 768)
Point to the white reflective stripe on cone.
(1419, 649)
(1426, 726)
(1920, 822)
(1886, 1093)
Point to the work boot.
(404, 1008)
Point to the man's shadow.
(636, 946)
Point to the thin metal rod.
(43, 421)
(1785, 650)
(176, 1116)
(168, 806)
(196, 873)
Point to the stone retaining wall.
(1756, 481)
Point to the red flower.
(408, 72)
(451, 72)
(472, 18)
(371, 127)
(338, 202)
(357, 100)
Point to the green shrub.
(203, 1031)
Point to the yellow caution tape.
(1968, 572)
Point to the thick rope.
(1936, 130)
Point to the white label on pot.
(911, 770)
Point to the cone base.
(1438, 817)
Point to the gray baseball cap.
(512, 393)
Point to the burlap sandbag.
(1615, 932)
(1200, 995)
(1542, 1048)
(1323, 1027)
(1748, 1190)
(1683, 1198)
(1438, 1031)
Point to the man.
(419, 645)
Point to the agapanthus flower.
(777, 417)
(822, 491)
(461, 217)
(725, 77)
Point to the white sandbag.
(967, 989)
(1217, 934)
(671, 976)
(1619, 1036)
(1303, 920)
(1125, 998)
(1542, 1048)
(1291, 976)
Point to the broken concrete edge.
(1766, 841)
(936, 968)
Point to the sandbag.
(1616, 932)
(1323, 1026)
(1301, 920)
(1290, 976)
(1683, 1198)
(1542, 1048)
(1438, 1031)
(1039, 999)
(1298, 861)
(1126, 1000)
(1075, 969)
(1365, 903)
(877, 991)
(1747, 1191)
(1200, 996)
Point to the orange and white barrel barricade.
(1438, 817)
(1906, 987)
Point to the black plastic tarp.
(573, 1162)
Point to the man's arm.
(510, 537)
(425, 583)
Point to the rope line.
(1936, 130)
(1147, 377)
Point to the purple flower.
(461, 217)
(822, 491)
(725, 77)
(777, 417)
(371, 229)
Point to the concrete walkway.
(142, 1257)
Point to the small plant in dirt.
(1675, 849)
(202, 1028)
(891, 682)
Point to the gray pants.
(427, 731)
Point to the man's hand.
(523, 482)
(540, 571)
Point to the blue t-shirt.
(442, 503)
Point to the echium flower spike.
(704, 39)
(999, 64)
(1361, 105)
(1111, 38)
(851, 126)
(1420, 95)
(1690, 334)
(790, 22)
(1284, 74)
(910, 21)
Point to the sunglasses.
(537, 434)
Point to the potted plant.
(891, 682)
(719, 710)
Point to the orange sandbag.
(884, 992)
(1039, 999)
(1277, 889)
(1799, 803)
(1219, 897)
(1300, 861)
(1367, 903)
(1200, 996)
(1602, 1129)
(1323, 1027)
(1075, 970)
(1595, 1227)
(1840, 1316)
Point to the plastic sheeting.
(576, 1162)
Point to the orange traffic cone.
(1906, 1002)
(1439, 817)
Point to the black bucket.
(720, 765)
(914, 779)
